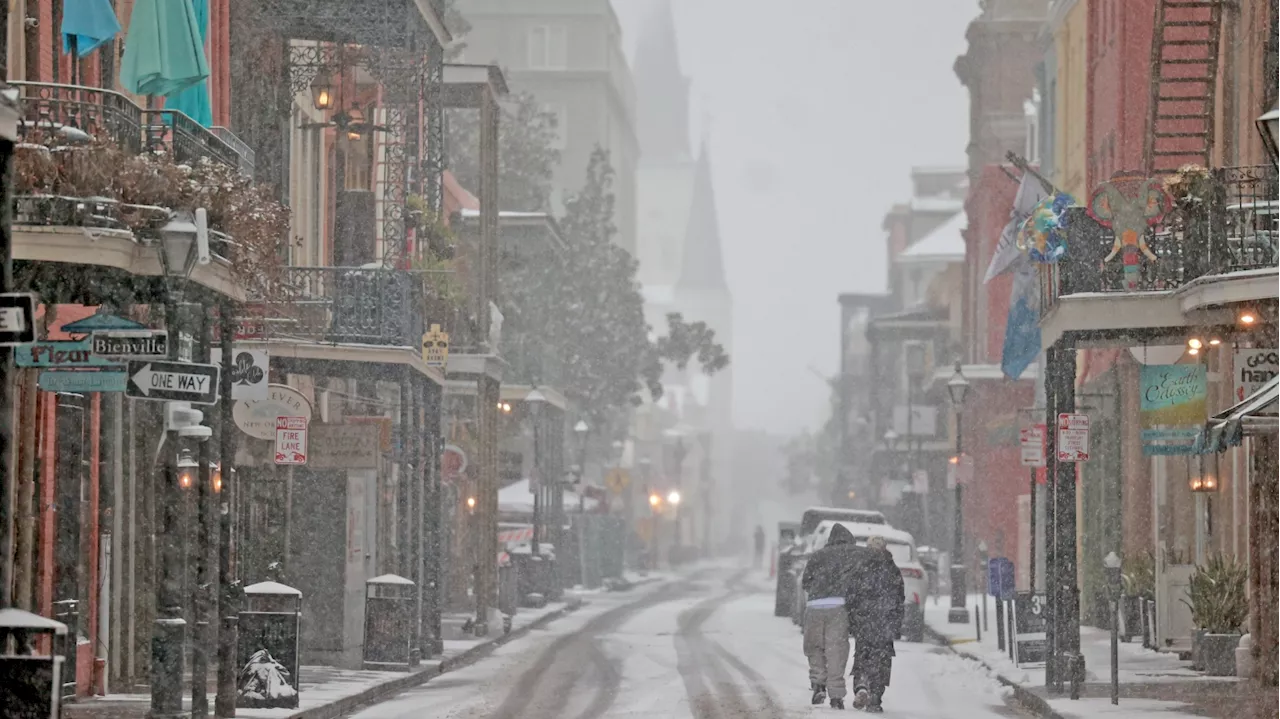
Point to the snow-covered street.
(706, 646)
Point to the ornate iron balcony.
(72, 114)
(351, 305)
(1230, 222)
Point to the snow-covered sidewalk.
(1152, 684)
(327, 692)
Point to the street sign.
(1031, 441)
(920, 481)
(249, 372)
(130, 343)
(617, 480)
(17, 318)
(173, 381)
(186, 347)
(1073, 437)
(1029, 628)
(54, 380)
(291, 440)
(60, 354)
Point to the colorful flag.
(1030, 193)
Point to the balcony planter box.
(1218, 653)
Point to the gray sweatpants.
(826, 644)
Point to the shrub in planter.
(1219, 607)
(1138, 578)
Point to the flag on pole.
(1022, 330)
(1030, 193)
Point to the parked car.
(813, 516)
(900, 544)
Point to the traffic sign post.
(128, 343)
(17, 318)
(1031, 442)
(291, 440)
(173, 381)
(1073, 437)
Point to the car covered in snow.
(903, 548)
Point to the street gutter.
(1025, 697)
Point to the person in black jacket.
(828, 579)
(875, 618)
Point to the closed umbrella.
(87, 24)
(194, 101)
(163, 53)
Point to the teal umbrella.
(194, 101)
(87, 24)
(163, 53)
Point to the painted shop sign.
(1252, 369)
(257, 417)
(1172, 407)
(64, 354)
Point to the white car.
(903, 548)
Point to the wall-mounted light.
(322, 92)
(1247, 318)
(186, 469)
(1205, 482)
(654, 500)
(471, 503)
(217, 476)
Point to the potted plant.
(1219, 607)
(1138, 578)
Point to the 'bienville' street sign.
(143, 343)
(17, 318)
(173, 381)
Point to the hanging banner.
(1172, 407)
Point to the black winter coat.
(832, 570)
(875, 603)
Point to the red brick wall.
(991, 438)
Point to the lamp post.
(534, 401)
(958, 389)
(580, 431)
(182, 242)
(1112, 564)
(984, 561)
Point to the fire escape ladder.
(1184, 70)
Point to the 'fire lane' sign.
(173, 381)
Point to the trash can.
(267, 650)
(390, 601)
(32, 682)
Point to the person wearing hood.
(875, 617)
(829, 577)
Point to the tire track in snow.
(703, 665)
(544, 690)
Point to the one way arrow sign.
(173, 381)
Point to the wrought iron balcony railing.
(350, 305)
(70, 114)
(1231, 224)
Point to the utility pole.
(8, 136)
(228, 588)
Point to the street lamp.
(184, 243)
(1112, 564)
(673, 498)
(1269, 127)
(534, 401)
(580, 429)
(322, 92)
(958, 389)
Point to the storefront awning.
(1249, 417)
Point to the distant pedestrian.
(759, 546)
(875, 617)
(829, 576)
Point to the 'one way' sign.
(173, 381)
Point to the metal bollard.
(977, 623)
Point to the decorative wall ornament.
(1128, 204)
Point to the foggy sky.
(815, 114)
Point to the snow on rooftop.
(517, 498)
(945, 242)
